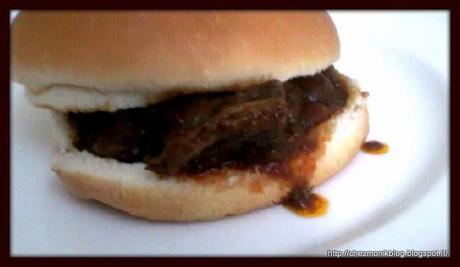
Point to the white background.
(426, 35)
(396, 201)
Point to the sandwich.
(191, 115)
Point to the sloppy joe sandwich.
(198, 115)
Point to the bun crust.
(157, 52)
(131, 188)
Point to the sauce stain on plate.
(375, 147)
(315, 206)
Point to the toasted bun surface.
(96, 57)
(131, 188)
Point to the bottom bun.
(131, 188)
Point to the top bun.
(158, 51)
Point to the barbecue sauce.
(375, 147)
(305, 203)
(262, 127)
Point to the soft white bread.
(96, 58)
(133, 189)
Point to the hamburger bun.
(89, 60)
(131, 188)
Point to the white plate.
(408, 110)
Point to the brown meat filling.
(263, 125)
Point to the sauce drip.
(306, 204)
(375, 147)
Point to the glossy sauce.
(375, 147)
(315, 206)
(263, 127)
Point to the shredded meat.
(263, 125)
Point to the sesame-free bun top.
(159, 52)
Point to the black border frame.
(6, 6)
